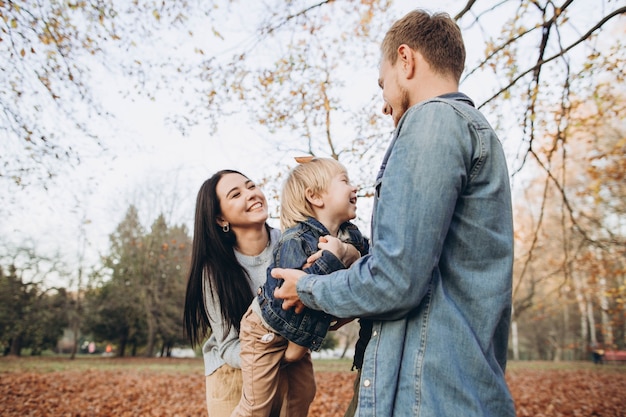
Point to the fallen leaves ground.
(138, 390)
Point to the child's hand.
(323, 240)
(346, 252)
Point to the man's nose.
(386, 109)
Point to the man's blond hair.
(314, 175)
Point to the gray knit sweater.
(221, 347)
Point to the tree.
(113, 315)
(173, 263)
(29, 317)
(42, 45)
(294, 69)
(142, 301)
(162, 288)
(115, 311)
(301, 90)
(576, 256)
(52, 111)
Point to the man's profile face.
(395, 97)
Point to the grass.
(513, 366)
(58, 363)
(44, 364)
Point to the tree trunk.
(74, 340)
(565, 333)
(151, 335)
(624, 325)
(149, 306)
(592, 321)
(75, 316)
(582, 308)
(514, 336)
(16, 346)
(607, 327)
(122, 347)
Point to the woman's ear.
(313, 198)
(220, 221)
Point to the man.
(437, 280)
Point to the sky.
(147, 161)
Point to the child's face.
(340, 198)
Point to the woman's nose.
(253, 193)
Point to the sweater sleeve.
(223, 344)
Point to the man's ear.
(406, 59)
(313, 198)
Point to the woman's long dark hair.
(213, 256)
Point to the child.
(317, 200)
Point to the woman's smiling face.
(242, 203)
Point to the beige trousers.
(264, 374)
(223, 391)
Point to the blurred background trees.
(302, 74)
(32, 315)
(141, 304)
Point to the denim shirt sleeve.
(426, 171)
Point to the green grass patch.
(43, 364)
(332, 365)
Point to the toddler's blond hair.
(314, 175)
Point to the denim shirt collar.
(458, 96)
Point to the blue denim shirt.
(294, 247)
(439, 274)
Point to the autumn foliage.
(139, 390)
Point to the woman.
(232, 248)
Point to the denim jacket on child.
(296, 244)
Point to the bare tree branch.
(269, 29)
(583, 38)
(466, 9)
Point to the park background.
(115, 112)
